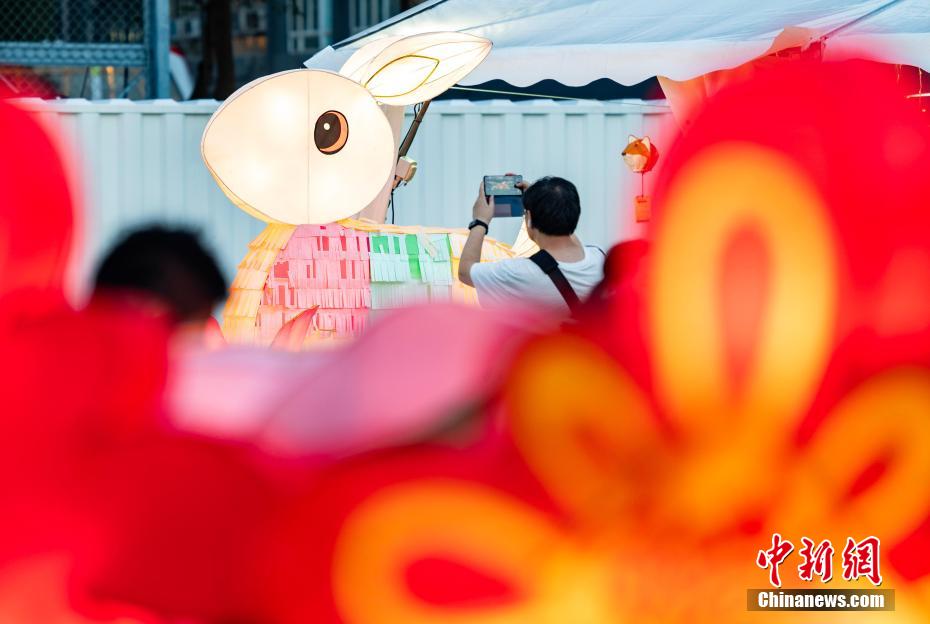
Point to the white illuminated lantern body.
(311, 147)
(264, 150)
(306, 151)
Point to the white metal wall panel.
(461, 141)
(140, 163)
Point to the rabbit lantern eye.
(331, 132)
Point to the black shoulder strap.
(544, 260)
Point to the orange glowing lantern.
(641, 155)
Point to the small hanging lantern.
(640, 155)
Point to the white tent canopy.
(578, 41)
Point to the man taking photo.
(561, 274)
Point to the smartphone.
(508, 199)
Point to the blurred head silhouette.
(169, 267)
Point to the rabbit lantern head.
(309, 146)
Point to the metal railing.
(128, 34)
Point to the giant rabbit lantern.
(313, 154)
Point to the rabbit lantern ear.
(406, 70)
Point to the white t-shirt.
(518, 280)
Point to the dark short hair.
(553, 205)
(170, 265)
